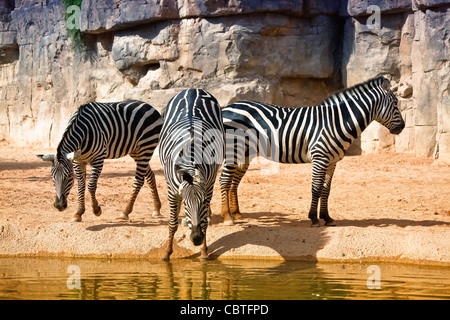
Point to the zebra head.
(387, 112)
(193, 192)
(62, 175)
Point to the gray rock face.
(292, 53)
(99, 15)
(413, 49)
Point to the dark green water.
(42, 278)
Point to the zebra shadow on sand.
(271, 235)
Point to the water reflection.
(39, 278)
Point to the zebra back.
(192, 136)
(111, 130)
(290, 135)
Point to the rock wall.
(292, 53)
(412, 48)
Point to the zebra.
(99, 131)
(318, 135)
(191, 151)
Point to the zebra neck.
(355, 114)
(70, 142)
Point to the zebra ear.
(180, 188)
(198, 176)
(46, 157)
(386, 85)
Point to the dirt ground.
(390, 207)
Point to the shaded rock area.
(291, 53)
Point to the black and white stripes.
(99, 131)
(197, 137)
(191, 152)
(318, 134)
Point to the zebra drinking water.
(318, 134)
(191, 151)
(99, 131)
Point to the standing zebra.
(99, 131)
(191, 152)
(318, 134)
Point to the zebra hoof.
(228, 222)
(330, 224)
(76, 218)
(204, 257)
(156, 213)
(123, 216)
(315, 224)
(98, 212)
(238, 216)
(166, 257)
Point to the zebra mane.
(378, 80)
(71, 124)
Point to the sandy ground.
(390, 207)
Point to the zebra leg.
(233, 195)
(97, 167)
(323, 213)
(80, 172)
(226, 179)
(209, 216)
(137, 185)
(150, 177)
(175, 204)
(204, 250)
(209, 193)
(319, 171)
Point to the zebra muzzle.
(60, 203)
(398, 129)
(197, 235)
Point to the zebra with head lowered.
(99, 131)
(318, 134)
(191, 151)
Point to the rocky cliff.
(292, 53)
